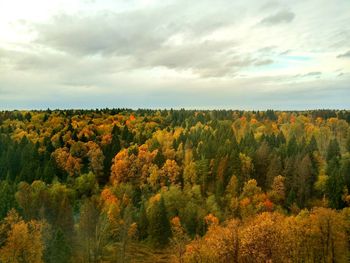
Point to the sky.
(222, 54)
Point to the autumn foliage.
(120, 185)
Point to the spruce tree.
(58, 249)
(159, 226)
(142, 224)
(335, 184)
(7, 197)
(159, 159)
(333, 150)
(110, 151)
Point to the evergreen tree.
(333, 150)
(142, 224)
(58, 249)
(304, 180)
(274, 169)
(110, 151)
(7, 197)
(345, 171)
(335, 184)
(348, 143)
(261, 163)
(292, 147)
(159, 226)
(312, 145)
(159, 159)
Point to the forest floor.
(145, 254)
(140, 253)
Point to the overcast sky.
(248, 54)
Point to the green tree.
(58, 249)
(142, 224)
(159, 229)
(335, 184)
(7, 197)
(333, 150)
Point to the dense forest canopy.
(122, 185)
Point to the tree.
(261, 162)
(312, 145)
(172, 171)
(159, 230)
(231, 195)
(333, 150)
(159, 159)
(94, 231)
(96, 159)
(277, 193)
(111, 149)
(328, 228)
(262, 239)
(179, 239)
(219, 244)
(7, 197)
(120, 167)
(345, 170)
(274, 169)
(252, 200)
(292, 147)
(58, 249)
(335, 184)
(24, 241)
(247, 169)
(142, 224)
(304, 180)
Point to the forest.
(123, 185)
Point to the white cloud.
(136, 53)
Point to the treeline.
(200, 186)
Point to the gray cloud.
(263, 62)
(314, 73)
(132, 32)
(286, 52)
(344, 55)
(283, 16)
(144, 38)
(181, 54)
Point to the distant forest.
(122, 185)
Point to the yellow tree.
(24, 241)
(172, 171)
(120, 167)
(329, 230)
(220, 243)
(178, 240)
(261, 239)
(96, 158)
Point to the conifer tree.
(333, 150)
(335, 184)
(159, 228)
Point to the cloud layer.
(231, 54)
